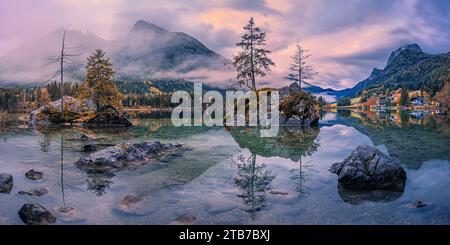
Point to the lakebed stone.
(185, 219)
(6, 183)
(39, 191)
(137, 205)
(129, 203)
(124, 155)
(283, 193)
(367, 168)
(34, 174)
(68, 215)
(418, 204)
(36, 214)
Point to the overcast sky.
(347, 38)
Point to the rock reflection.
(253, 180)
(357, 197)
(291, 142)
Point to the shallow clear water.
(235, 177)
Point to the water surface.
(234, 176)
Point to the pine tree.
(300, 70)
(99, 84)
(404, 97)
(252, 60)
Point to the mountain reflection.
(412, 137)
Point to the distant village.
(414, 100)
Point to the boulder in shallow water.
(68, 215)
(35, 214)
(185, 219)
(6, 183)
(85, 138)
(74, 111)
(418, 204)
(34, 174)
(89, 147)
(123, 155)
(298, 108)
(368, 168)
(109, 116)
(39, 191)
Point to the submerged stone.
(68, 215)
(6, 183)
(184, 219)
(278, 193)
(418, 204)
(35, 214)
(129, 202)
(34, 174)
(39, 191)
(138, 206)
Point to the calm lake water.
(236, 177)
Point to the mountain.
(149, 50)
(408, 64)
(146, 51)
(328, 94)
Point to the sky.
(347, 38)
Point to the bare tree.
(62, 59)
(300, 70)
(252, 59)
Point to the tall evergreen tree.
(252, 60)
(300, 69)
(404, 97)
(99, 84)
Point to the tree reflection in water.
(253, 180)
(301, 175)
(293, 143)
(98, 182)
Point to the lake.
(234, 176)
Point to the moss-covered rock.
(300, 108)
(74, 110)
(78, 111)
(109, 116)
